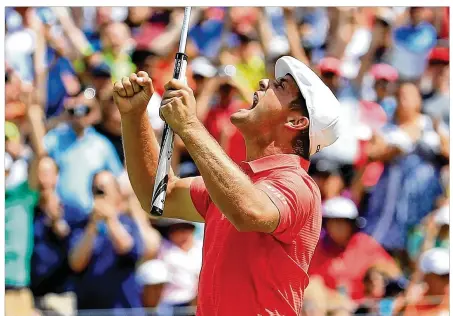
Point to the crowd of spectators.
(76, 237)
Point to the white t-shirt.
(184, 270)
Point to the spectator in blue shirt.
(80, 152)
(104, 250)
(50, 273)
(409, 185)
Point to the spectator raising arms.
(104, 249)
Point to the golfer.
(263, 218)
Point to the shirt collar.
(275, 161)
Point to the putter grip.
(166, 149)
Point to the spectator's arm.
(72, 32)
(151, 237)
(80, 254)
(377, 39)
(205, 97)
(379, 150)
(166, 41)
(39, 62)
(264, 31)
(37, 133)
(122, 241)
(294, 38)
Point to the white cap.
(153, 272)
(435, 260)
(442, 216)
(202, 66)
(323, 107)
(8, 161)
(340, 207)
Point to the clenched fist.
(132, 94)
(178, 107)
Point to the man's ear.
(297, 122)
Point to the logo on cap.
(318, 148)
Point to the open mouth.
(256, 99)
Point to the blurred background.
(76, 239)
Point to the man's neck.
(79, 131)
(256, 150)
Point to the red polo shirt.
(257, 273)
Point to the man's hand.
(132, 94)
(51, 205)
(103, 209)
(178, 107)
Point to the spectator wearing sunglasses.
(104, 250)
(80, 152)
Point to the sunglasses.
(79, 111)
(98, 191)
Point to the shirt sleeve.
(200, 196)
(295, 202)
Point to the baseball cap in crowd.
(340, 207)
(436, 261)
(8, 162)
(323, 107)
(384, 72)
(12, 132)
(442, 216)
(330, 65)
(203, 67)
(167, 222)
(153, 272)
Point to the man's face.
(381, 87)
(105, 186)
(438, 284)
(270, 110)
(409, 100)
(340, 230)
(79, 112)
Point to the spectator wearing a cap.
(80, 151)
(154, 276)
(262, 217)
(181, 254)
(408, 147)
(435, 266)
(437, 101)
(385, 77)
(343, 254)
(433, 232)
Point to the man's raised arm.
(141, 149)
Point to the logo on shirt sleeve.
(276, 193)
